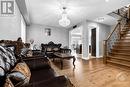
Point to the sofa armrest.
(60, 81)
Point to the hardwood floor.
(93, 73)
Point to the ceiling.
(48, 12)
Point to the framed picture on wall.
(47, 31)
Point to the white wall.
(112, 27)
(37, 33)
(10, 26)
(104, 31)
(75, 36)
(23, 29)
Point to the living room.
(40, 24)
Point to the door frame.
(92, 49)
(92, 26)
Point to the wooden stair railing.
(122, 12)
(115, 36)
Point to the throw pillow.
(29, 53)
(8, 57)
(17, 78)
(24, 69)
(11, 47)
(24, 51)
(8, 83)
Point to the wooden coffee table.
(63, 56)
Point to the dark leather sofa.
(42, 75)
(50, 48)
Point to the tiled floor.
(93, 73)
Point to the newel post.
(105, 51)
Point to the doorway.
(92, 42)
(75, 39)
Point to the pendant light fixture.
(64, 21)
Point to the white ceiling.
(48, 12)
(108, 20)
(77, 31)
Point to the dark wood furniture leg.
(61, 61)
(74, 62)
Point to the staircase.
(117, 46)
(120, 53)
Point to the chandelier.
(64, 21)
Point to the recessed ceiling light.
(107, 0)
(100, 19)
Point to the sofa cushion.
(8, 61)
(37, 64)
(8, 83)
(12, 48)
(2, 49)
(20, 75)
(11, 54)
(42, 75)
(2, 63)
(2, 72)
(24, 51)
(55, 49)
(5, 61)
(18, 79)
(23, 68)
(2, 76)
(49, 49)
(8, 57)
(60, 81)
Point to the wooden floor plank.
(93, 73)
